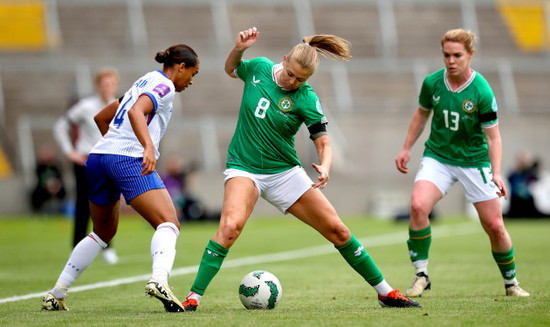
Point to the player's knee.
(105, 235)
(495, 228)
(230, 231)
(339, 234)
(419, 209)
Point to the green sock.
(419, 243)
(360, 260)
(211, 263)
(506, 262)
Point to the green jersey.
(269, 118)
(457, 137)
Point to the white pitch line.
(369, 242)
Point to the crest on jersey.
(286, 104)
(469, 106)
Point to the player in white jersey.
(124, 162)
(81, 115)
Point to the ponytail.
(329, 46)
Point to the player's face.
(107, 86)
(457, 59)
(185, 77)
(293, 75)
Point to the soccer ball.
(260, 290)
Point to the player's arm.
(418, 122)
(245, 40)
(494, 144)
(324, 153)
(61, 132)
(104, 117)
(143, 106)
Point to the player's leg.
(82, 213)
(240, 197)
(490, 216)
(156, 206)
(424, 196)
(105, 220)
(314, 209)
(82, 209)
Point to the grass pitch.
(319, 288)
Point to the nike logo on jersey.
(255, 81)
(435, 98)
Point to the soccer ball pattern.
(260, 290)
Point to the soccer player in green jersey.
(262, 160)
(464, 145)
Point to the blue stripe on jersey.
(163, 74)
(155, 104)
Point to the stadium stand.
(368, 100)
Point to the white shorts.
(477, 182)
(281, 190)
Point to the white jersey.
(81, 114)
(121, 138)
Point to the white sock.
(421, 266)
(512, 281)
(193, 295)
(163, 251)
(383, 288)
(82, 256)
(422, 270)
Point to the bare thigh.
(490, 217)
(314, 209)
(424, 197)
(239, 199)
(156, 207)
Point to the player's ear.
(181, 67)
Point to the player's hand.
(502, 192)
(149, 163)
(246, 38)
(402, 159)
(323, 176)
(77, 158)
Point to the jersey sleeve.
(246, 67)
(157, 92)
(425, 97)
(488, 106)
(313, 111)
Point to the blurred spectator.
(522, 202)
(188, 207)
(49, 192)
(76, 133)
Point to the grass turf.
(318, 290)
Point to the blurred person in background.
(176, 176)
(464, 145)
(522, 201)
(262, 159)
(49, 191)
(124, 162)
(80, 117)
